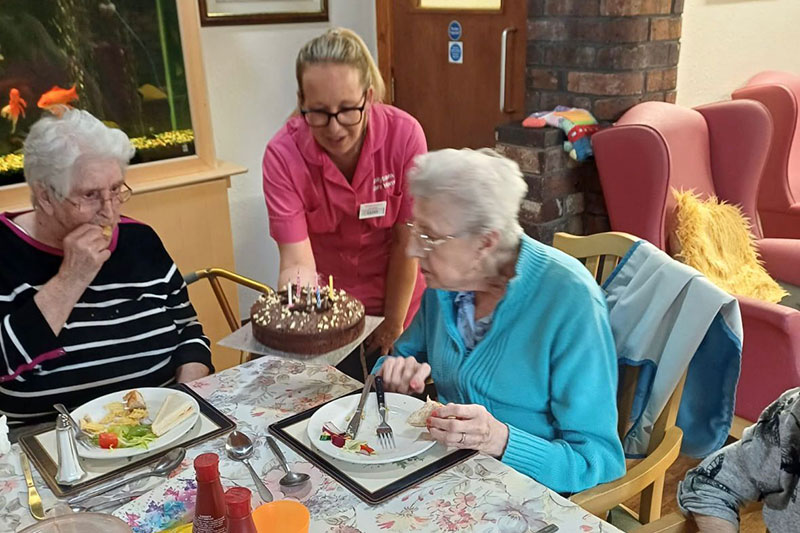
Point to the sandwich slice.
(174, 410)
(421, 415)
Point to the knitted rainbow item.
(578, 124)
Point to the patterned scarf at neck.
(472, 331)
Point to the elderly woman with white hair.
(514, 333)
(90, 301)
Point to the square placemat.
(42, 450)
(371, 483)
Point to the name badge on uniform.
(372, 210)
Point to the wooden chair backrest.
(600, 254)
(213, 275)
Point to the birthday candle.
(308, 295)
(298, 284)
(330, 284)
(289, 292)
(319, 302)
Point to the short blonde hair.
(54, 145)
(345, 47)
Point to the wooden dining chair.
(601, 253)
(213, 275)
(671, 523)
(677, 523)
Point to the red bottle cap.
(206, 467)
(237, 500)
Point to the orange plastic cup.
(282, 516)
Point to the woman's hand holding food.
(469, 426)
(85, 251)
(404, 374)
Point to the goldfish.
(56, 99)
(150, 92)
(15, 108)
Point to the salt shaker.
(69, 466)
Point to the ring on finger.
(463, 436)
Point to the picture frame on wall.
(237, 12)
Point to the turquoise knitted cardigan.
(547, 368)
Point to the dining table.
(480, 494)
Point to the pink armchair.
(779, 191)
(714, 149)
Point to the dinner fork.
(80, 435)
(384, 431)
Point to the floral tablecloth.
(481, 494)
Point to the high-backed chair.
(600, 254)
(779, 190)
(718, 149)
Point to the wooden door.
(457, 103)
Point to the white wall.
(251, 89)
(725, 42)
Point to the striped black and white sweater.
(133, 326)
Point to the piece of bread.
(174, 410)
(421, 415)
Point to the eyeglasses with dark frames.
(347, 116)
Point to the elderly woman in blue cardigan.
(514, 333)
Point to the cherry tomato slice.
(108, 440)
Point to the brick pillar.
(602, 55)
(554, 201)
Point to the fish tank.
(121, 60)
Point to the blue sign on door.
(455, 52)
(454, 30)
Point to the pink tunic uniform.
(349, 224)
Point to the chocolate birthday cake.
(307, 324)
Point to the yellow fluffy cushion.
(714, 237)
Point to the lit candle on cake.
(308, 296)
(319, 301)
(289, 292)
(330, 285)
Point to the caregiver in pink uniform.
(335, 186)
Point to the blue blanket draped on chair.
(667, 317)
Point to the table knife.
(34, 500)
(352, 427)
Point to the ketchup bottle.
(209, 512)
(237, 500)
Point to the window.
(461, 4)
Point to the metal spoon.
(239, 447)
(168, 462)
(291, 479)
